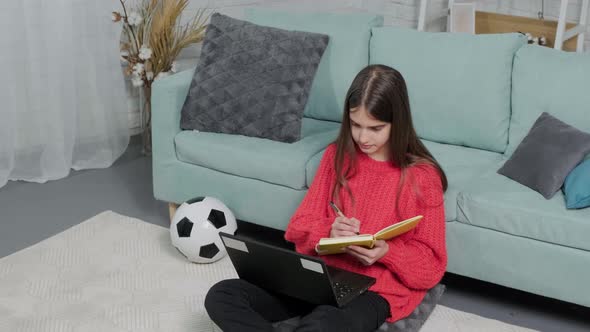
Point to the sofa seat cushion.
(496, 202)
(257, 158)
(312, 167)
(461, 165)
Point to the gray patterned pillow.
(252, 80)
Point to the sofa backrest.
(459, 84)
(347, 52)
(552, 81)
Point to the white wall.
(395, 12)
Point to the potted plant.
(153, 36)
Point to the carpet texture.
(115, 273)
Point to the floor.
(31, 212)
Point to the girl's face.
(370, 134)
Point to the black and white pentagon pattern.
(184, 227)
(217, 218)
(209, 250)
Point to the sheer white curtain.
(62, 93)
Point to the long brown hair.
(382, 91)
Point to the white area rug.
(115, 273)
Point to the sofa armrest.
(168, 95)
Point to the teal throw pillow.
(577, 187)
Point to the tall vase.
(145, 113)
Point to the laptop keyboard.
(341, 289)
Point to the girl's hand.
(343, 226)
(368, 256)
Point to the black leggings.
(237, 305)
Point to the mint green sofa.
(473, 99)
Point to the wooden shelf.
(500, 23)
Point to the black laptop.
(291, 273)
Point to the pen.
(338, 212)
(336, 209)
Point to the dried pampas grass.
(154, 29)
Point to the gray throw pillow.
(547, 155)
(418, 317)
(252, 80)
(412, 323)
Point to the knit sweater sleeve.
(311, 220)
(419, 259)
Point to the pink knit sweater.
(416, 261)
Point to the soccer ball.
(195, 229)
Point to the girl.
(377, 172)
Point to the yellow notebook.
(336, 245)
